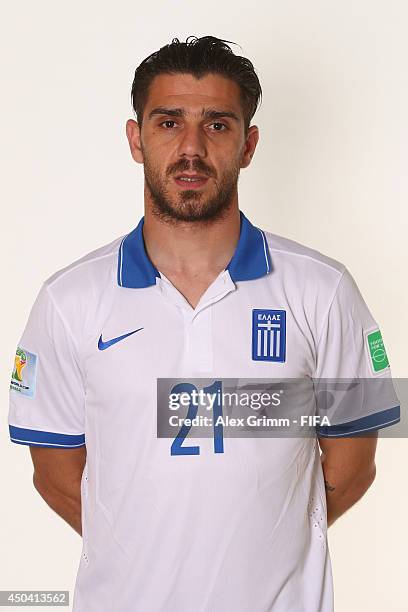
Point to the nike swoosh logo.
(104, 345)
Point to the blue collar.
(250, 260)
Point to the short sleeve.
(47, 397)
(353, 383)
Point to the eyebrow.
(206, 113)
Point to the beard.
(189, 205)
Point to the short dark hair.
(199, 57)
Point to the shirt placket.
(198, 353)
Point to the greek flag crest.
(268, 335)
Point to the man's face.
(192, 144)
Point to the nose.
(192, 142)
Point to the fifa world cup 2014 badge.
(268, 335)
(23, 377)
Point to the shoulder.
(285, 250)
(93, 269)
(304, 265)
(86, 286)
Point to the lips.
(193, 177)
(192, 181)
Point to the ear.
(250, 146)
(133, 136)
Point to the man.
(195, 290)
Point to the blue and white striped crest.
(268, 335)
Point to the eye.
(219, 127)
(166, 125)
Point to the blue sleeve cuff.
(34, 437)
(378, 420)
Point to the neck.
(191, 248)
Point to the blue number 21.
(176, 447)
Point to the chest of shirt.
(238, 333)
(146, 335)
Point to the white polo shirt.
(243, 528)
